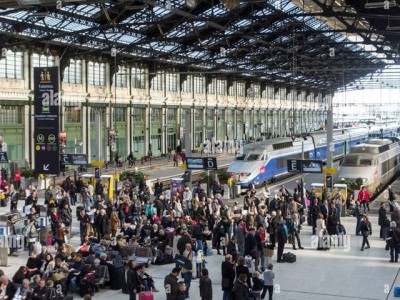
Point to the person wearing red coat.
(363, 197)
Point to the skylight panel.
(83, 10)
(72, 26)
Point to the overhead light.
(382, 4)
(135, 7)
(393, 28)
(40, 14)
(28, 2)
(191, 3)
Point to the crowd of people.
(189, 224)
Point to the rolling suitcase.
(396, 292)
(118, 279)
(85, 288)
(146, 296)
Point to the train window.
(350, 161)
(240, 157)
(365, 162)
(253, 157)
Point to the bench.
(143, 256)
(103, 277)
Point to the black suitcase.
(118, 279)
(85, 288)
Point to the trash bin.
(3, 257)
(227, 192)
(237, 190)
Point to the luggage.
(85, 288)
(118, 279)
(249, 263)
(146, 296)
(182, 261)
(289, 257)
(396, 292)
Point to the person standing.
(241, 288)
(240, 236)
(392, 241)
(382, 220)
(187, 273)
(294, 229)
(391, 198)
(171, 284)
(358, 215)
(205, 286)
(363, 197)
(269, 277)
(228, 276)
(282, 239)
(132, 280)
(366, 230)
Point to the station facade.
(145, 106)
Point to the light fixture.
(381, 4)
(191, 3)
(394, 28)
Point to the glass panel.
(42, 60)
(97, 73)
(138, 78)
(198, 84)
(10, 115)
(11, 66)
(73, 73)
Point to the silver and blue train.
(375, 162)
(260, 162)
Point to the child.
(205, 286)
(269, 277)
(258, 284)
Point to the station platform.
(338, 274)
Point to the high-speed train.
(262, 161)
(375, 162)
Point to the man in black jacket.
(132, 280)
(171, 284)
(250, 244)
(10, 287)
(281, 236)
(158, 187)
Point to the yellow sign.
(329, 170)
(97, 163)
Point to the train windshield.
(240, 157)
(350, 161)
(253, 157)
(365, 162)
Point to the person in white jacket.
(187, 199)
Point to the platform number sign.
(210, 163)
(294, 165)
